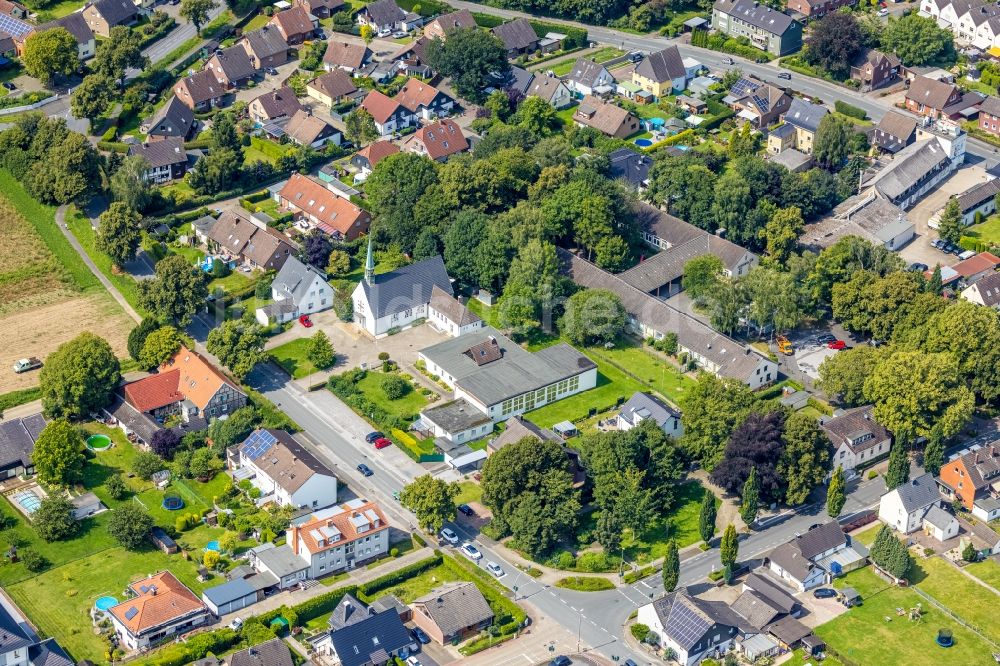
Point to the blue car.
(824, 593)
(420, 635)
(365, 469)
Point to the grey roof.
(755, 608)
(918, 493)
(516, 371)
(347, 612)
(365, 642)
(74, 23)
(585, 72)
(271, 653)
(520, 79)
(783, 131)
(265, 42)
(384, 12)
(229, 591)
(234, 63)
(931, 92)
(168, 151)
(686, 619)
(789, 557)
(17, 439)
(909, 166)
(144, 426)
(821, 539)
(988, 288)
(853, 424)
(895, 130)
(770, 589)
(278, 103)
(805, 115)
(172, 119)
(544, 87)
(280, 561)
(990, 105)
(938, 517)
(976, 196)
(452, 308)
(517, 428)
(85, 500)
(631, 166)
(516, 35)
(791, 158)
(116, 12)
(866, 215)
(455, 415)
(406, 287)
(295, 278)
(48, 653)
(387, 602)
(668, 265)
(644, 406)
(12, 635)
(788, 630)
(454, 606)
(662, 66)
(756, 14)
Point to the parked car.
(824, 593)
(399, 34)
(236, 624)
(466, 510)
(412, 661)
(826, 338)
(382, 443)
(918, 267)
(951, 248)
(728, 60)
(471, 552)
(9, 86)
(365, 469)
(373, 435)
(561, 660)
(883, 12)
(629, 662)
(449, 535)
(305, 321)
(495, 569)
(836, 344)
(26, 364)
(420, 635)
(784, 75)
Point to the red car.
(382, 442)
(836, 344)
(305, 321)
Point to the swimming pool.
(28, 500)
(104, 603)
(643, 143)
(212, 545)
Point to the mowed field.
(47, 295)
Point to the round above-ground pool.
(212, 545)
(98, 442)
(172, 503)
(643, 143)
(104, 603)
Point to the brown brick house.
(816, 8)
(452, 612)
(974, 479)
(989, 115)
(929, 97)
(875, 69)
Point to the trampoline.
(944, 638)
(173, 503)
(104, 603)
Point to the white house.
(160, 607)
(857, 438)
(643, 406)
(298, 289)
(340, 537)
(940, 524)
(281, 562)
(816, 557)
(693, 628)
(589, 78)
(284, 471)
(398, 299)
(904, 507)
(981, 199)
(985, 291)
(447, 314)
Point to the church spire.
(370, 264)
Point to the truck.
(26, 364)
(785, 345)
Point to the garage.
(229, 597)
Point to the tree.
(50, 52)
(129, 185)
(531, 287)
(671, 567)
(164, 442)
(130, 525)
(713, 408)
(339, 263)
(216, 171)
(394, 387)
(936, 283)
(730, 547)
(159, 347)
(177, 292)
(427, 245)
(899, 465)
(229, 542)
(918, 41)
(844, 373)
(238, 345)
(890, 554)
(804, 458)
(537, 116)
(367, 33)
(69, 171)
(754, 447)
(146, 463)
(203, 464)
(461, 244)
(831, 144)
(969, 553)
(950, 225)
(934, 456)
(432, 500)
(321, 351)
(316, 248)
(593, 316)
(122, 50)
(118, 234)
(58, 456)
(471, 58)
(833, 43)
(359, 126)
(732, 206)
(706, 518)
(971, 334)
(835, 494)
(745, 142)
(393, 188)
(197, 11)
(781, 233)
(53, 519)
(750, 498)
(79, 377)
(702, 276)
(687, 186)
(116, 486)
(137, 336)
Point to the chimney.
(295, 539)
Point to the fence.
(28, 107)
(971, 627)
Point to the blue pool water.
(28, 501)
(104, 603)
(212, 545)
(643, 143)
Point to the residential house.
(160, 608)
(518, 37)
(767, 29)
(173, 120)
(266, 47)
(985, 291)
(977, 267)
(413, 55)
(452, 612)
(693, 628)
(398, 298)
(347, 56)
(251, 243)
(759, 103)
(589, 78)
(894, 132)
(940, 524)
(269, 653)
(385, 16)
(366, 637)
(390, 116)
(904, 508)
(989, 116)
(13, 9)
(278, 105)
(874, 69)
(974, 479)
(17, 442)
(321, 8)
(630, 166)
(331, 88)
(13, 34)
(424, 101)
(231, 66)
(551, 89)
(21, 646)
(340, 537)
(975, 22)
(294, 24)
(448, 314)
(606, 118)
(651, 317)
(438, 141)
(815, 8)
(366, 158)
(929, 97)
(816, 557)
(805, 117)
(167, 159)
(288, 568)
(448, 23)
(284, 471)
(518, 428)
(856, 437)
(311, 131)
(200, 91)
(791, 159)
(76, 25)
(298, 289)
(661, 73)
(643, 406)
(102, 15)
(979, 201)
(781, 139)
(318, 207)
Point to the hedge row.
(194, 648)
(366, 591)
(850, 110)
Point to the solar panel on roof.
(131, 613)
(13, 26)
(258, 443)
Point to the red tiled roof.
(161, 600)
(983, 261)
(380, 106)
(155, 391)
(438, 140)
(415, 93)
(378, 151)
(329, 210)
(198, 379)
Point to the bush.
(639, 631)
(872, 474)
(32, 561)
(566, 560)
(147, 463)
(594, 562)
(394, 387)
(585, 583)
(850, 110)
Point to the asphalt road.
(184, 31)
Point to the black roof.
(384, 12)
(630, 165)
(48, 653)
(17, 440)
(12, 635)
(173, 119)
(382, 633)
(406, 287)
(116, 12)
(272, 653)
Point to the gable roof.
(279, 102)
(116, 12)
(380, 106)
(278, 455)
(602, 116)
(202, 86)
(516, 35)
(756, 14)
(348, 611)
(931, 92)
(686, 619)
(517, 429)
(233, 63)
(335, 83)
(440, 139)
(74, 23)
(897, 125)
(160, 600)
(454, 606)
(990, 105)
(805, 115)
(346, 54)
(173, 119)
(544, 87)
(406, 287)
(17, 440)
(199, 380)
(304, 128)
(988, 289)
(372, 640)
(630, 165)
(376, 151)
(585, 72)
(154, 391)
(384, 12)
(755, 608)
(335, 214)
(452, 21)
(163, 153)
(295, 279)
(982, 466)
(265, 42)
(293, 22)
(908, 167)
(662, 66)
(771, 590)
(270, 653)
(979, 194)
(918, 493)
(415, 94)
(450, 307)
(876, 58)
(851, 425)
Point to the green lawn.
(658, 374)
(972, 602)
(406, 407)
(79, 224)
(987, 232)
(292, 356)
(987, 571)
(681, 525)
(863, 636)
(867, 537)
(605, 53)
(258, 21)
(265, 151)
(468, 491)
(235, 281)
(60, 9)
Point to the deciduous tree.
(321, 352)
(971, 333)
(359, 126)
(58, 454)
(917, 41)
(159, 346)
(471, 58)
(53, 519)
(164, 442)
(79, 377)
(238, 345)
(702, 276)
(843, 374)
(177, 292)
(50, 52)
(804, 458)
(121, 51)
(129, 185)
(432, 500)
(832, 141)
(118, 233)
(593, 316)
(781, 233)
(833, 43)
(754, 446)
(713, 408)
(130, 525)
(197, 11)
(729, 549)
(393, 188)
